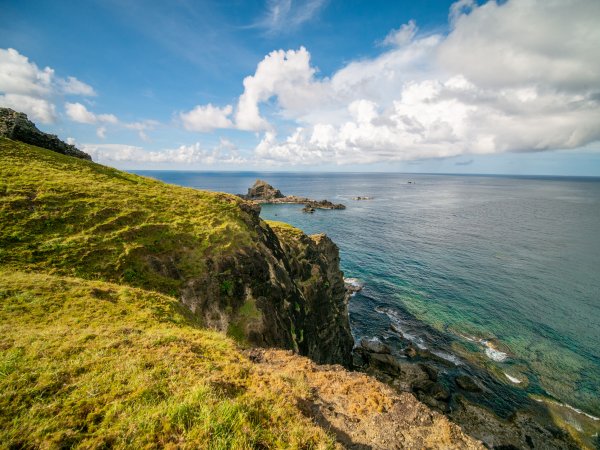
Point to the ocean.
(498, 275)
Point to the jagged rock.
(261, 190)
(16, 126)
(308, 209)
(374, 346)
(321, 329)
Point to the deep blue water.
(498, 273)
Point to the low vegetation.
(96, 351)
(77, 218)
(94, 364)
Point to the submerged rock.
(16, 126)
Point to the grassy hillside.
(95, 364)
(96, 349)
(77, 218)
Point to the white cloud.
(79, 113)
(72, 86)
(551, 44)
(207, 118)
(224, 153)
(36, 108)
(287, 75)
(402, 35)
(101, 132)
(287, 15)
(487, 87)
(29, 89)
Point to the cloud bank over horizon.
(520, 76)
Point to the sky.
(430, 86)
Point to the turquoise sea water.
(499, 275)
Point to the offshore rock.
(16, 126)
(263, 192)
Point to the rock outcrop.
(286, 290)
(263, 192)
(16, 126)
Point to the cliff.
(15, 125)
(210, 250)
(131, 311)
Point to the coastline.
(408, 364)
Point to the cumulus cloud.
(207, 118)
(141, 127)
(284, 75)
(79, 113)
(101, 132)
(72, 86)
(550, 44)
(486, 87)
(27, 88)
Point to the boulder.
(374, 346)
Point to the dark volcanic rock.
(321, 326)
(16, 126)
(261, 190)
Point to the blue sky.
(343, 85)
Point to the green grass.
(282, 228)
(78, 218)
(92, 365)
(96, 351)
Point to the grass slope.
(91, 364)
(95, 349)
(78, 218)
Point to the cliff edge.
(16, 126)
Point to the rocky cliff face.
(270, 286)
(286, 290)
(16, 126)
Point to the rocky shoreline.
(460, 397)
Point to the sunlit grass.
(94, 364)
